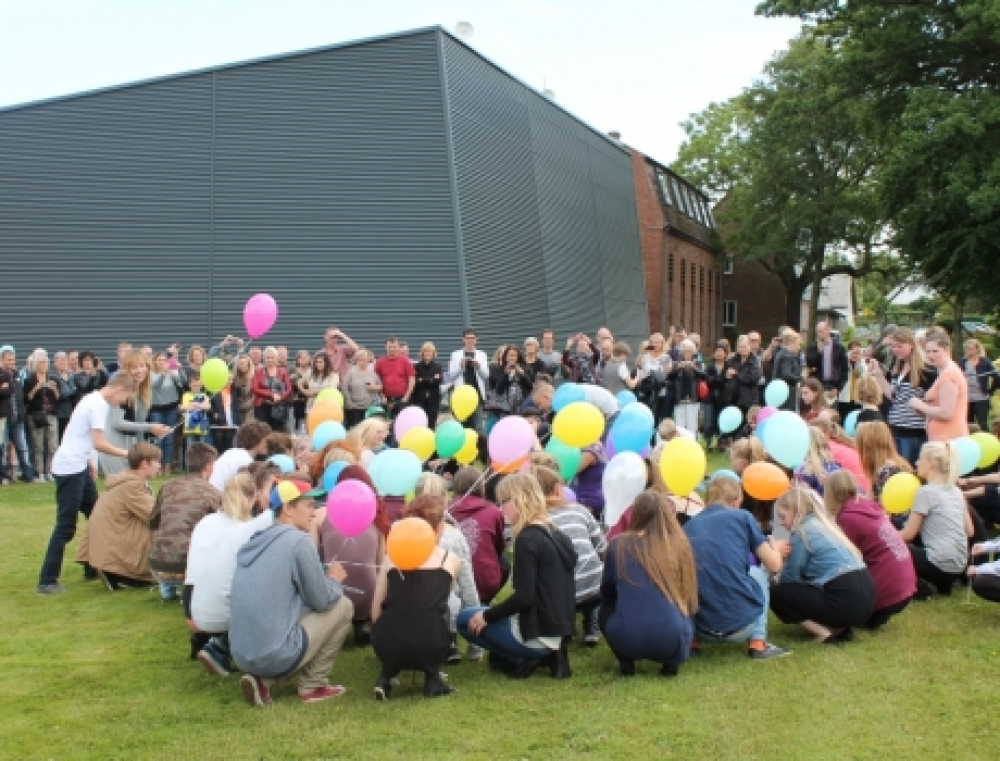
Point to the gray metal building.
(402, 185)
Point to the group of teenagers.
(270, 587)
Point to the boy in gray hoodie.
(288, 614)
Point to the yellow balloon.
(420, 441)
(579, 424)
(899, 491)
(470, 449)
(331, 393)
(464, 401)
(682, 465)
(989, 446)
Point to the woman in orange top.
(947, 401)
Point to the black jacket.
(427, 383)
(544, 594)
(500, 380)
(86, 383)
(744, 388)
(717, 385)
(788, 367)
(685, 382)
(217, 414)
(841, 366)
(8, 388)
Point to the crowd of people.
(272, 588)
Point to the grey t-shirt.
(552, 360)
(943, 532)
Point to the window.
(663, 187)
(701, 277)
(729, 314)
(727, 268)
(670, 268)
(698, 212)
(710, 215)
(681, 201)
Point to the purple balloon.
(259, 315)
(350, 507)
(510, 440)
(568, 494)
(410, 417)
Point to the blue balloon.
(730, 419)
(786, 439)
(327, 432)
(724, 473)
(969, 453)
(625, 397)
(776, 393)
(631, 432)
(395, 471)
(283, 461)
(567, 393)
(851, 422)
(638, 408)
(332, 473)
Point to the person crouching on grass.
(289, 614)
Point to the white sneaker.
(38, 480)
(51, 478)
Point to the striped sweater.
(576, 522)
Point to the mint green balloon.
(568, 458)
(449, 438)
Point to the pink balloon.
(410, 417)
(510, 440)
(568, 494)
(259, 315)
(765, 413)
(350, 507)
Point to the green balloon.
(568, 458)
(214, 375)
(449, 438)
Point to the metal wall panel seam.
(211, 222)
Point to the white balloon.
(601, 398)
(624, 479)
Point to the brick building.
(752, 299)
(682, 255)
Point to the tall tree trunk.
(958, 311)
(819, 257)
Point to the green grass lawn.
(97, 675)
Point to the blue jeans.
(17, 434)
(75, 494)
(755, 630)
(168, 418)
(169, 590)
(909, 447)
(709, 421)
(498, 638)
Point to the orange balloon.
(411, 541)
(764, 481)
(511, 467)
(324, 410)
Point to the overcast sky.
(636, 66)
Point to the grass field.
(94, 675)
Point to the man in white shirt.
(470, 366)
(250, 442)
(74, 472)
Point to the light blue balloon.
(327, 432)
(786, 439)
(724, 473)
(758, 432)
(730, 419)
(639, 408)
(625, 397)
(332, 473)
(567, 393)
(631, 432)
(851, 422)
(283, 461)
(395, 472)
(969, 453)
(776, 393)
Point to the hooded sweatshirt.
(884, 552)
(481, 522)
(278, 577)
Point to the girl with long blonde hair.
(879, 457)
(818, 463)
(908, 378)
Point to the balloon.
(326, 410)
(899, 491)
(601, 398)
(464, 401)
(332, 473)
(969, 454)
(851, 422)
(567, 457)
(214, 375)
(682, 465)
(327, 432)
(566, 394)
(990, 448)
(765, 481)
(510, 440)
(568, 494)
(730, 419)
(578, 424)
(411, 542)
(623, 481)
(610, 451)
(470, 449)
(724, 473)
(420, 441)
(350, 507)
(765, 413)
(283, 461)
(259, 315)
(776, 393)
(640, 409)
(520, 464)
(625, 398)
(786, 439)
(449, 438)
(759, 430)
(631, 431)
(331, 393)
(410, 417)
(395, 471)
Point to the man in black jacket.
(827, 360)
(12, 419)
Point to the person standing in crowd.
(909, 378)
(614, 374)
(72, 467)
(579, 367)
(256, 358)
(90, 377)
(361, 388)
(532, 361)
(826, 360)
(687, 375)
(303, 362)
(946, 403)
(127, 422)
(224, 415)
(319, 376)
(397, 376)
(15, 413)
(847, 400)
(743, 376)
(196, 408)
(289, 614)
(168, 390)
(982, 382)
(469, 366)
(787, 367)
(550, 355)
(510, 382)
(195, 359)
(879, 457)
(813, 399)
(41, 394)
(124, 347)
(243, 388)
(428, 377)
(73, 361)
(715, 375)
(251, 443)
(655, 363)
(65, 389)
(272, 389)
(340, 348)
(869, 397)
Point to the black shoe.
(527, 667)
(626, 667)
(500, 664)
(559, 663)
(591, 631)
(669, 669)
(833, 639)
(924, 592)
(453, 655)
(89, 573)
(436, 687)
(362, 633)
(198, 641)
(846, 635)
(383, 687)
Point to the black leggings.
(979, 412)
(846, 600)
(930, 573)
(881, 616)
(987, 586)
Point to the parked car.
(975, 328)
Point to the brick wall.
(759, 297)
